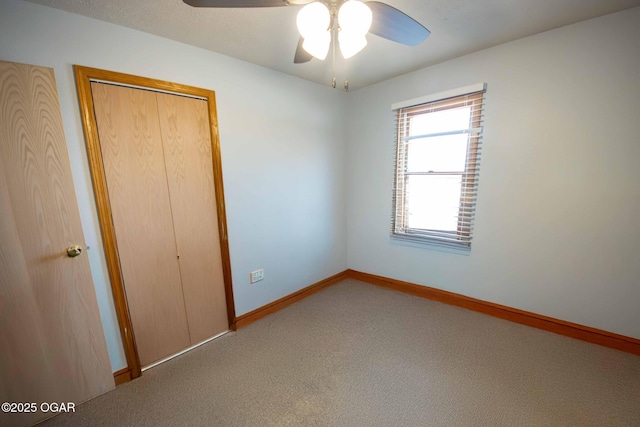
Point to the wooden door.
(134, 165)
(52, 346)
(186, 136)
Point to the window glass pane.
(437, 154)
(433, 201)
(440, 121)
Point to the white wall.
(282, 149)
(557, 229)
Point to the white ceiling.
(268, 36)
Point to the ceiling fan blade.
(302, 55)
(391, 24)
(244, 3)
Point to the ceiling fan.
(325, 23)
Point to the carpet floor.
(358, 355)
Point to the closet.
(156, 155)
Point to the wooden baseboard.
(265, 310)
(122, 376)
(573, 330)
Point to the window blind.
(437, 164)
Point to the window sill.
(431, 243)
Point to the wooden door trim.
(83, 77)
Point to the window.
(437, 163)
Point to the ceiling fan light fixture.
(318, 45)
(351, 43)
(355, 17)
(313, 19)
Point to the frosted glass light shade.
(313, 20)
(351, 43)
(355, 17)
(318, 45)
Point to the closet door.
(185, 128)
(52, 347)
(134, 164)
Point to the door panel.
(53, 346)
(134, 166)
(184, 123)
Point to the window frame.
(472, 96)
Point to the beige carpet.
(358, 355)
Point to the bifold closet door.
(186, 136)
(134, 165)
(52, 346)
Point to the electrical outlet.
(256, 276)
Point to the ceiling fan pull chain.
(333, 54)
(346, 75)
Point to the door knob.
(74, 251)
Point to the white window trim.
(478, 87)
(431, 241)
